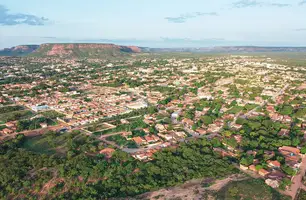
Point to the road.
(297, 180)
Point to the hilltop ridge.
(103, 50)
(84, 50)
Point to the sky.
(154, 23)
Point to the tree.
(247, 161)
(207, 120)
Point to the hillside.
(84, 50)
(231, 49)
(96, 50)
(21, 50)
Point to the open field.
(51, 143)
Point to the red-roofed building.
(151, 138)
(263, 172)
(139, 140)
(274, 164)
(108, 152)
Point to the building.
(272, 183)
(273, 164)
(253, 168)
(243, 167)
(38, 108)
(43, 125)
(107, 152)
(139, 140)
(263, 172)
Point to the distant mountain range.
(97, 50)
(21, 50)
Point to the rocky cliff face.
(19, 50)
(85, 50)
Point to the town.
(251, 108)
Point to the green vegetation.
(254, 189)
(121, 141)
(52, 114)
(302, 195)
(29, 172)
(15, 115)
(124, 127)
(7, 109)
(33, 124)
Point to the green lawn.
(251, 189)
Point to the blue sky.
(158, 23)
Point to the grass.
(251, 189)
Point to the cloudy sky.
(154, 23)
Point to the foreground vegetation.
(79, 176)
(254, 189)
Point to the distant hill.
(231, 49)
(84, 50)
(96, 50)
(21, 50)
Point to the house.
(7, 131)
(165, 144)
(237, 126)
(269, 154)
(188, 122)
(160, 128)
(108, 152)
(238, 138)
(201, 131)
(273, 164)
(263, 172)
(272, 183)
(213, 128)
(292, 150)
(243, 167)
(139, 141)
(126, 135)
(287, 118)
(253, 168)
(276, 175)
(43, 125)
(166, 136)
(141, 156)
(151, 138)
(283, 132)
(10, 124)
(179, 134)
(251, 152)
(124, 121)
